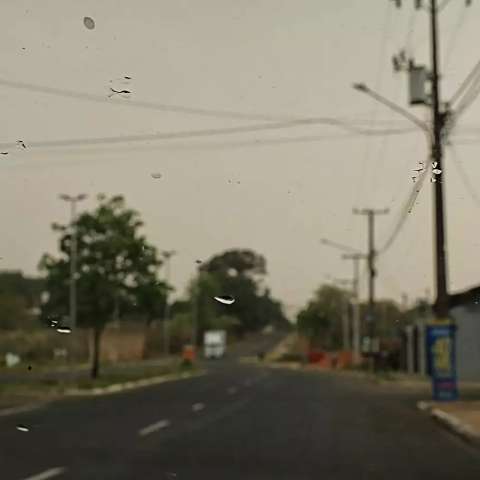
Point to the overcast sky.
(277, 191)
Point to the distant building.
(465, 310)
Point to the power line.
(201, 133)
(378, 82)
(463, 176)
(406, 210)
(454, 35)
(62, 92)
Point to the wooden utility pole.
(372, 273)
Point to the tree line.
(321, 318)
(118, 277)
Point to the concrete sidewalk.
(462, 417)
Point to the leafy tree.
(236, 262)
(240, 273)
(321, 319)
(115, 268)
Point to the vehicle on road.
(214, 343)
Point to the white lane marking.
(154, 427)
(196, 407)
(232, 390)
(52, 472)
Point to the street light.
(361, 87)
(167, 255)
(73, 253)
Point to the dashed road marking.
(52, 472)
(154, 427)
(196, 407)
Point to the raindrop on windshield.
(226, 299)
(22, 428)
(89, 23)
(64, 330)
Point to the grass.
(19, 392)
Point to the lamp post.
(73, 253)
(167, 255)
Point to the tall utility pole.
(356, 326)
(441, 303)
(442, 334)
(196, 306)
(167, 255)
(73, 254)
(370, 213)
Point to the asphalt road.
(238, 422)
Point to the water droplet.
(198, 262)
(64, 330)
(436, 171)
(156, 175)
(22, 428)
(226, 299)
(52, 323)
(197, 407)
(89, 23)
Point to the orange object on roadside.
(188, 353)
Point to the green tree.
(114, 265)
(240, 273)
(321, 319)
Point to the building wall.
(467, 319)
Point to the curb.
(115, 388)
(121, 387)
(451, 423)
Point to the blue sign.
(441, 359)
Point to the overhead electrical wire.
(377, 86)
(200, 133)
(454, 35)
(118, 101)
(406, 209)
(463, 176)
(62, 92)
(467, 92)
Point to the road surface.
(238, 422)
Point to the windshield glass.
(228, 247)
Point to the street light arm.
(339, 246)
(361, 87)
